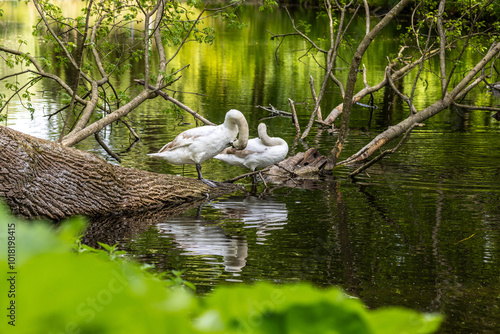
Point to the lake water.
(421, 229)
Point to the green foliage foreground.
(54, 285)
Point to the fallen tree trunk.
(42, 179)
(296, 164)
(465, 85)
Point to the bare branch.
(93, 46)
(394, 131)
(339, 84)
(242, 176)
(304, 36)
(41, 72)
(383, 154)
(413, 110)
(89, 107)
(367, 16)
(131, 129)
(294, 117)
(315, 98)
(187, 35)
(466, 43)
(178, 103)
(348, 98)
(88, 110)
(276, 112)
(331, 57)
(106, 148)
(466, 106)
(442, 45)
(16, 93)
(54, 35)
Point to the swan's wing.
(254, 146)
(188, 137)
(228, 156)
(247, 157)
(178, 142)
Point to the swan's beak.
(241, 143)
(237, 145)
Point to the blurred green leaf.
(58, 290)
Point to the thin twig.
(413, 110)
(242, 176)
(275, 111)
(178, 103)
(383, 154)
(294, 117)
(315, 97)
(106, 148)
(132, 131)
(16, 93)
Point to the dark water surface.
(421, 229)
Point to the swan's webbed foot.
(209, 183)
(200, 177)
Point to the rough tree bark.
(42, 179)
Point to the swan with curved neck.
(197, 145)
(259, 152)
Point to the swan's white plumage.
(197, 145)
(259, 152)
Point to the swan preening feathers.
(197, 145)
(259, 152)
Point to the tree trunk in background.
(352, 77)
(42, 179)
(469, 80)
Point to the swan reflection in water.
(264, 215)
(205, 237)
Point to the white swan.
(196, 145)
(259, 152)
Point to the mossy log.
(43, 179)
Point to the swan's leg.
(198, 169)
(254, 179)
(200, 177)
(254, 183)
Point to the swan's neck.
(272, 141)
(236, 120)
(265, 139)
